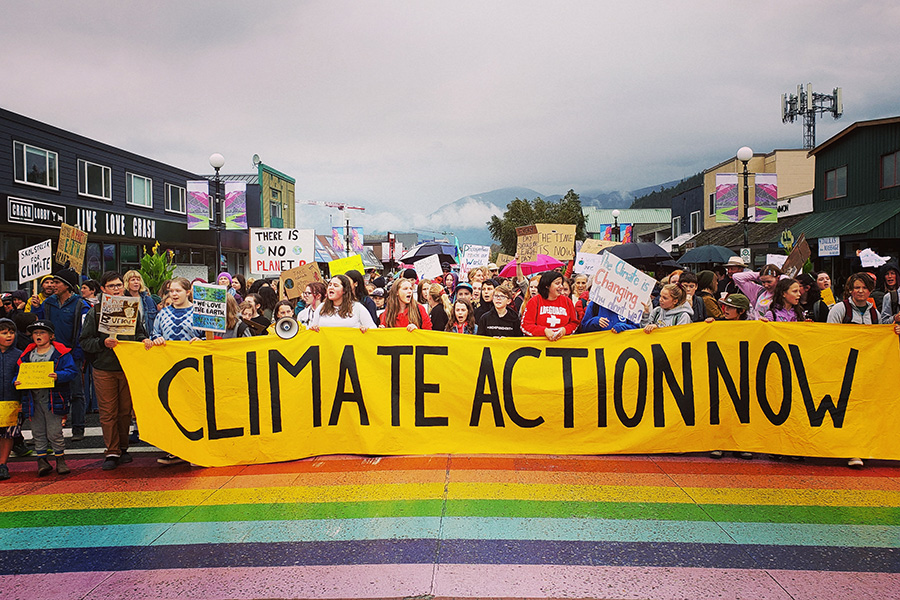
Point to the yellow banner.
(786, 388)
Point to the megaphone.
(286, 328)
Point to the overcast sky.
(402, 107)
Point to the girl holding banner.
(340, 309)
(550, 313)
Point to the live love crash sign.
(787, 388)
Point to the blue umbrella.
(706, 254)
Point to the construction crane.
(343, 207)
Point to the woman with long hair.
(531, 292)
(785, 306)
(268, 298)
(312, 295)
(439, 309)
(340, 308)
(759, 287)
(550, 313)
(361, 293)
(234, 325)
(403, 310)
(135, 287)
(463, 318)
(485, 299)
(672, 310)
(239, 285)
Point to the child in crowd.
(48, 406)
(550, 313)
(463, 317)
(672, 309)
(785, 304)
(499, 321)
(9, 397)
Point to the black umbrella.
(706, 254)
(446, 252)
(644, 253)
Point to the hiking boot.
(125, 458)
(77, 434)
(61, 467)
(44, 467)
(4, 472)
(110, 463)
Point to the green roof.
(854, 220)
(595, 217)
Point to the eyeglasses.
(115, 286)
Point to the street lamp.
(615, 227)
(217, 161)
(744, 155)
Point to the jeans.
(76, 404)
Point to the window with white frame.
(696, 221)
(676, 227)
(275, 207)
(94, 181)
(836, 183)
(138, 190)
(35, 166)
(174, 198)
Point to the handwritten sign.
(587, 263)
(35, 375)
(275, 250)
(475, 256)
(623, 289)
(119, 315)
(527, 243)
(72, 247)
(209, 307)
(592, 246)
(503, 259)
(554, 240)
(294, 281)
(35, 261)
(428, 267)
(342, 265)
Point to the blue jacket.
(149, 310)
(67, 319)
(9, 367)
(66, 371)
(594, 312)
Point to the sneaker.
(125, 458)
(4, 472)
(20, 449)
(169, 459)
(855, 463)
(77, 434)
(745, 455)
(110, 463)
(716, 454)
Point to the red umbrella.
(538, 265)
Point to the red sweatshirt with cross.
(540, 314)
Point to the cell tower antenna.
(807, 104)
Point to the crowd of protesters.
(60, 324)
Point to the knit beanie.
(705, 279)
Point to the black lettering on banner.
(817, 414)
(567, 354)
(618, 380)
(341, 395)
(163, 392)
(774, 348)
(718, 367)
(684, 398)
(209, 380)
(601, 386)
(487, 376)
(508, 401)
(395, 352)
(423, 388)
(253, 393)
(277, 359)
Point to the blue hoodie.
(594, 312)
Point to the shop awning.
(855, 220)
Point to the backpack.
(848, 313)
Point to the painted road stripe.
(454, 528)
(473, 552)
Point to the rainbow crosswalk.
(454, 526)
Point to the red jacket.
(541, 314)
(403, 319)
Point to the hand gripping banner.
(803, 389)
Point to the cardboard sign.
(342, 265)
(428, 267)
(797, 258)
(527, 243)
(275, 250)
(35, 261)
(828, 297)
(554, 240)
(623, 289)
(72, 247)
(209, 307)
(587, 263)
(119, 315)
(294, 281)
(503, 259)
(35, 376)
(592, 246)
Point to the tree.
(521, 212)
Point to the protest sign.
(9, 412)
(71, 247)
(503, 259)
(475, 256)
(869, 259)
(35, 375)
(621, 288)
(209, 307)
(526, 243)
(776, 259)
(428, 267)
(342, 265)
(592, 246)
(294, 281)
(275, 250)
(119, 315)
(587, 263)
(800, 253)
(781, 388)
(35, 261)
(557, 241)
